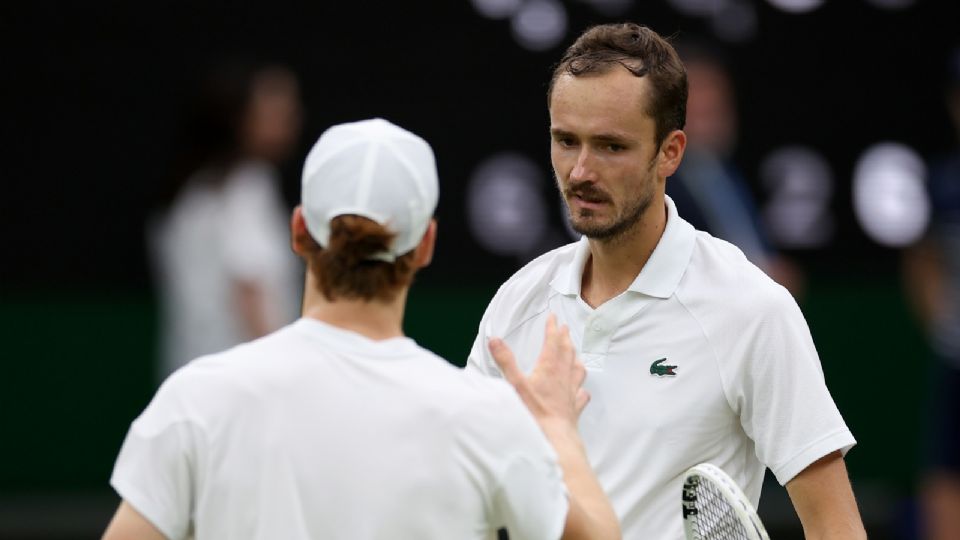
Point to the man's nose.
(583, 168)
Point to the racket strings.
(716, 519)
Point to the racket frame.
(732, 495)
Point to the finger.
(582, 398)
(551, 324)
(579, 373)
(505, 360)
(550, 335)
(550, 350)
(565, 344)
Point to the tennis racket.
(715, 508)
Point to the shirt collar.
(659, 276)
(341, 339)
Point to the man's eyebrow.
(610, 138)
(600, 137)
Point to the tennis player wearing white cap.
(338, 426)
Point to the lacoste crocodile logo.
(659, 369)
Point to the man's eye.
(615, 147)
(565, 142)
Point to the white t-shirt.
(318, 432)
(702, 359)
(211, 237)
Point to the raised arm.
(824, 501)
(553, 393)
(128, 524)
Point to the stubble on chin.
(591, 223)
(586, 222)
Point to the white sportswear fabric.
(317, 432)
(748, 392)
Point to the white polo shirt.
(702, 359)
(317, 432)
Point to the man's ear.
(300, 239)
(424, 251)
(671, 153)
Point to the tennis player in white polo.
(338, 426)
(693, 354)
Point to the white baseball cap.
(373, 169)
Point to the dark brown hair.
(345, 270)
(642, 52)
(210, 134)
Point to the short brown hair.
(642, 52)
(345, 269)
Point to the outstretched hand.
(553, 394)
(553, 390)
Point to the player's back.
(317, 432)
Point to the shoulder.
(478, 411)
(540, 271)
(527, 292)
(721, 287)
(251, 179)
(252, 172)
(464, 393)
(491, 415)
(213, 384)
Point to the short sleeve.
(480, 360)
(531, 502)
(527, 495)
(154, 471)
(779, 390)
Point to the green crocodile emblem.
(660, 370)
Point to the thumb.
(505, 360)
(582, 398)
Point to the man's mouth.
(589, 196)
(593, 199)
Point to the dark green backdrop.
(79, 367)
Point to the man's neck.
(615, 263)
(375, 319)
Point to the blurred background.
(827, 118)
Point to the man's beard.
(622, 222)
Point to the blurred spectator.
(218, 242)
(708, 189)
(932, 273)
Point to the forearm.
(839, 526)
(590, 515)
(824, 501)
(128, 524)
